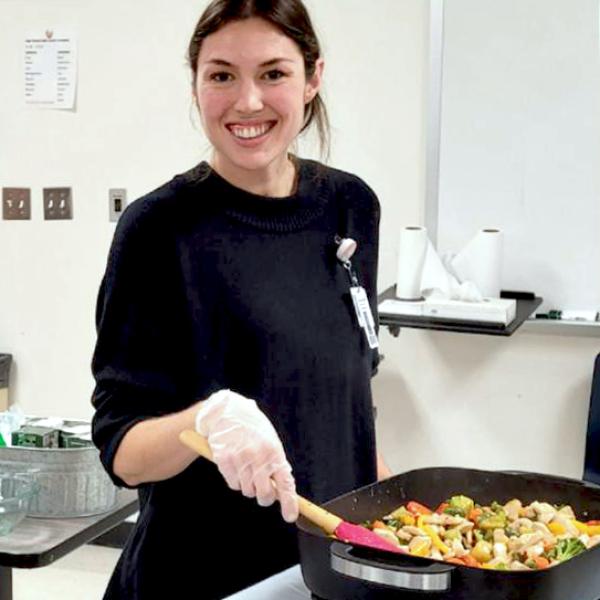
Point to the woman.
(224, 308)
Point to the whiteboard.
(520, 141)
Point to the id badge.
(364, 316)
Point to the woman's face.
(251, 91)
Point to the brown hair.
(292, 19)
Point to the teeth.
(250, 132)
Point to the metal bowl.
(16, 493)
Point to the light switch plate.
(58, 204)
(117, 202)
(16, 204)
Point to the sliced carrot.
(441, 508)
(418, 509)
(379, 525)
(548, 546)
(474, 514)
(593, 523)
(470, 561)
(455, 561)
(541, 562)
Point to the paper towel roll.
(413, 246)
(481, 262)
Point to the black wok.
(335, 571)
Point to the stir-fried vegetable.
(567, 548)
(499, 536)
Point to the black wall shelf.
(525, 308)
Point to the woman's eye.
(221, 77)
(274, 75)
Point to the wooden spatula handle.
(317, 515)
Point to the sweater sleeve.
(136, 364)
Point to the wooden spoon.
(330, 523)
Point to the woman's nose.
(249, 98)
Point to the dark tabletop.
(38, 542)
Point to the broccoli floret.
(393, 523)
(566, 549)
(460, 506)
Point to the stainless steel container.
(73, 482)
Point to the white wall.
(444, 398)
(132, 128)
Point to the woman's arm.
(151, 450)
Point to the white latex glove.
(247, 450)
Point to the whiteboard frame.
(433, 128)
(433, 124)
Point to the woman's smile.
(251, 133)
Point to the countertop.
(287, 585)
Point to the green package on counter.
(36, 437)
(72, 441)
(63, 438)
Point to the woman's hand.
(247, 450)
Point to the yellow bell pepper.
(582, 527)
(402, 515)
(408, 520)
(421, 549)
(585, 528)
(557, 528)
(435, 538)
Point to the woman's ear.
(313, 85)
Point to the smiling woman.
(225, 307)
(251, 90)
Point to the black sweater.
(208, 287)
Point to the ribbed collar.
(289, 213)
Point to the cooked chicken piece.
(465, 526)
(452, 521)
(442, 519)
(418, 541)
(432, 519)
(545, 512)
(495, 562)
(594, 541)
(512, 509)
(435, 553)
(528, 512)
(534, 551)
(388, 535)
(542, 528)
(412, 530)
(404, 536)
(500, 551)
(518, 566)
(457, 548)
(469, 538)
(500, 536)
(524, 541)
(584, 538)
(521, 523)
(567, 511)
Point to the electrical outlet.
(58, 204)
(117, 202)
(16, 204)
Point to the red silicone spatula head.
(361, 536)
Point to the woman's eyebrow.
(274, 61)
(267, 63)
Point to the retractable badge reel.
(364, 316)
